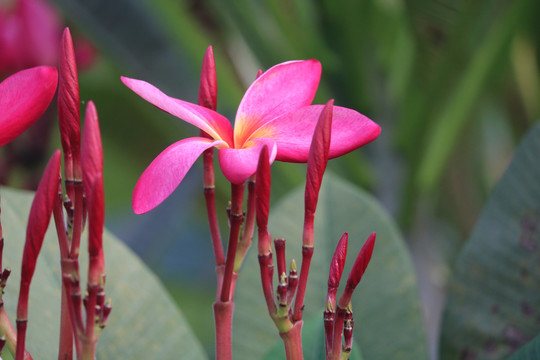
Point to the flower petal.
(166, 172)
(293, 132)
(282, 89)
(24, 97)
(239, 164)
(214, 124)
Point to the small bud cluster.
(338, 318)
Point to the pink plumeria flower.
(275, 111)
(29, 32)
(24, 97)
(28, 35)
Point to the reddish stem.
(348, 333)
(339, 320)
(89, 341)
(236, 217)
(265, 263)
(20, 353)
(279, 245)
(70, 272)
(58, 213)
(209, 195)
(77, 219)
(65, 348)
(7, 330)
(223, 315)
(292, 283)
(249, 226)
(292, 340)
(307, 254)
(329, 317)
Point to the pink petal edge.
(214, 124)
(239, 164)
(166, 172)
(24, 97)
(293, 132)
(281, 89)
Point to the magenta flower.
(275, 111)
(24, 97)
(28, 35)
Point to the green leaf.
(492, 303)
(144, 323)
(531, 351)
(386, 305)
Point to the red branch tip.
(338, 262)
(262, 190)
(96, 219)
(336, 270)
(92, 151)
(38, 222)
(316, 165)
(358, 269)
(68, 97)
(208, 85)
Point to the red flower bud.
(38, 222)
(96, 219)
(208, 86)
(338, 262)
(262, 189)
(358, 269)
(68, 99)
(91, 152)
(316, 165)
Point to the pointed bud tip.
(362, 261)
(293, 265)
(208, 81)
(338, 262)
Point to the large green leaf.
(492, 303)
(144, 323)
(531, 351)
(386, 305)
